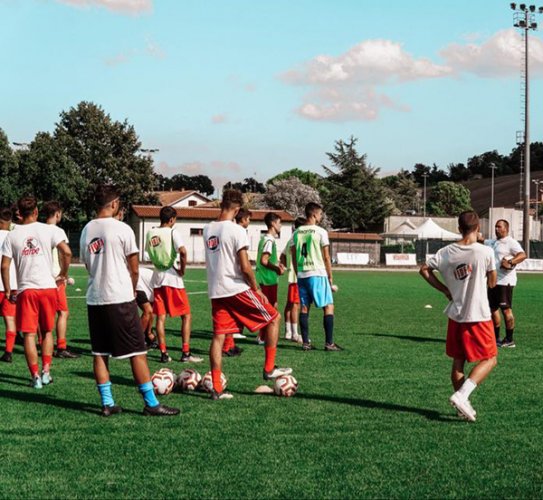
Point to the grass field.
(372, 421)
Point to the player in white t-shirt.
(467, 267)
(292, 307)
(508, 254)
(52, 210)
(236, 300)
(165, 243)
(30, 246)
(108, 249)
(8, 304)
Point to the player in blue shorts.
(310, 250)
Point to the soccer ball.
(163, 381)
(207, 382)
(285, 386)
(188, 380)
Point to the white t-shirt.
(12, 273)
(222, 241)
(104, 247)
(30, 246)
(145, 283)
(505, 247)
(464, 269)
(56, 262)
(170, 277)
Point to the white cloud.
(133, 7)
(498, 56)
(345, 87)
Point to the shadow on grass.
(412, 338)
(14, 379)
(41, 398)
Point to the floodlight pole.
(525, 19)
(493, 167)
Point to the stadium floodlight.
(524, 18)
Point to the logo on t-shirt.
(31, 247)
(155, 241)
(462, 271)
(212, 243)
(96, 246)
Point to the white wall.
(193, 197)
(195, 244)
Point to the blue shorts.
(315, 289)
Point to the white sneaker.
(461, 415)
(189, 358)
(463, 406)
(288, 336)
(276, 373)
(239, 336)
(259, 341)
(294, 337)
(36, 382)
(46, 378)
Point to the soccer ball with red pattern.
(163, 381)
(285, 386)
(207, 382)
(189, 379)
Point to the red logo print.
(212, 243)
(31, 247)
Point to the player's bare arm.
(182, 261)
(248, 274)
(428, 274)
(328, 263)
(133, 269)
(508, 263)
(6, 262)
(265, 261)
(293, 260)
(65, 258)
(491, 278)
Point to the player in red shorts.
(468, 268)
(7, 304)
(292, 307)
(236, 300)
(30, 247)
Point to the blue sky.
(236, 88)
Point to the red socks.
(162, 347)
(270, 358)
(228, 343)
(61, 343)
(216, 378)
(186, 348)
(46, 362)
(34, 370)
(10, 341)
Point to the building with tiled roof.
(178, 199)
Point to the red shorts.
(231, 314)
(171, 301)
(293, 296)
(7, 308)
(270, 291)
(62, 300)
(36, 308)
(471, 341)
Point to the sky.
(240, 88)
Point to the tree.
(355, 197)
(249, 185)
(9, 172)
(105, 150)
(449, 199)
(458, 172)
(434, 173)
(480, 165)
(309, 178)
(402, 190)
(290, 195)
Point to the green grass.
(372, 421)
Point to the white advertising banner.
(401, 259)
(355, 259)
(531, 265)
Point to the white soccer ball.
(207, 382)
(70, 281)
(188, 380)
(163, 381)
(335, 288)
(285, 386)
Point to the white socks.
(288, 330)
(467, 388)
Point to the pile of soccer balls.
(164, 381)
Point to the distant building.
(180, 199)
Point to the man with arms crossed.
(30, 246)
(467, 268)
(310, 251)
(236, 300)
(108, 249)
(508, 254)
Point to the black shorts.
(500, 297)
(115, 330)
(141, 298)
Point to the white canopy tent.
(406, 230)
(429, 230)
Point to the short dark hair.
(243, 214)
(311, 208)
(105, 193)
(505, 222)
(468, 222)
(51, 208)
(166, 213)
(300, 221)
(270, 218)
(231, 198)
(6, 214)
(27, 205)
